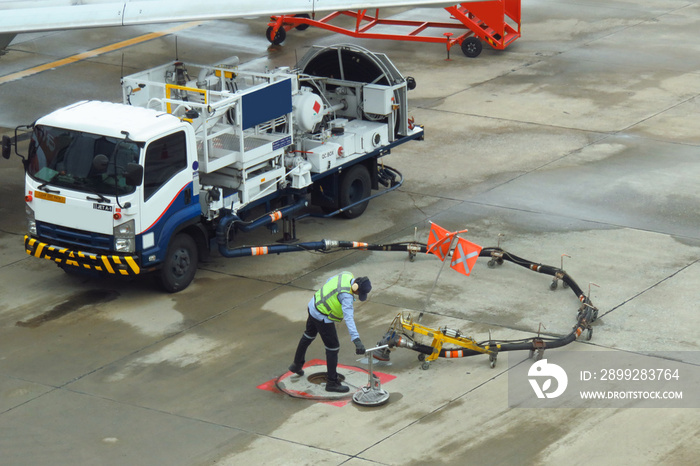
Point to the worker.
(331, 304)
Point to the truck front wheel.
(180, 264)
(355, 185)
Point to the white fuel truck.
(194, 152)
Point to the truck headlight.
(31, 222)
(125, 237)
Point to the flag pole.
(425, 306)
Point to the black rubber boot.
(336, 386)
(296, 369)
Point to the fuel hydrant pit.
(312, 385)
(321, 378)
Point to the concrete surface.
(582, 139)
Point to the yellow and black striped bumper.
(117, 265)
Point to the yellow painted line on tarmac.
(96, 52)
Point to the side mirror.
(100, 163)
(134, 174)
(6, 147)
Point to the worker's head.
(361, 287)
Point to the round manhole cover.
(312, 385)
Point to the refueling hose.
(318, 246)
(587, 314)
(387, 176)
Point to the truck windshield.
(64, 158)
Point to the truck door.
(168, 197)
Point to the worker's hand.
(359, 347)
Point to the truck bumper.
(117, 265)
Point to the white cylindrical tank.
(308, 109)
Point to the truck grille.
(74, 239)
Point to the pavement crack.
(650, 288)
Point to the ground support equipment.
(371, 394)
(402, 330)
(496, 22)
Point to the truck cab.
(118, 187)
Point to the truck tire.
(180, 264)
(355, 184)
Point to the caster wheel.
(553, 285)
(279, 37)
(471, 47)
(425, 366)
(302, 27)
(491, 263)
(589, 334)
(421, 357)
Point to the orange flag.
(439, 241)
(464, 256)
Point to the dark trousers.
(330, 339)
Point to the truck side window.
(164, 158)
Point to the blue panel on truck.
(179, 212)
(267, 103)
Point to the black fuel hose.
(586, 315)
(318, 246)
(534, 266)
(534, 343)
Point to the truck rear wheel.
(180, 264)
(354, 186)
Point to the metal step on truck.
(195, 153)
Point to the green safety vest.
(326, 298)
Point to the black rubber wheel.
(302, 27)
(354, 186)
(279, 37)
(471, 47)
(180, 264)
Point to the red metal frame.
(496, 22)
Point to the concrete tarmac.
(582, 138)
